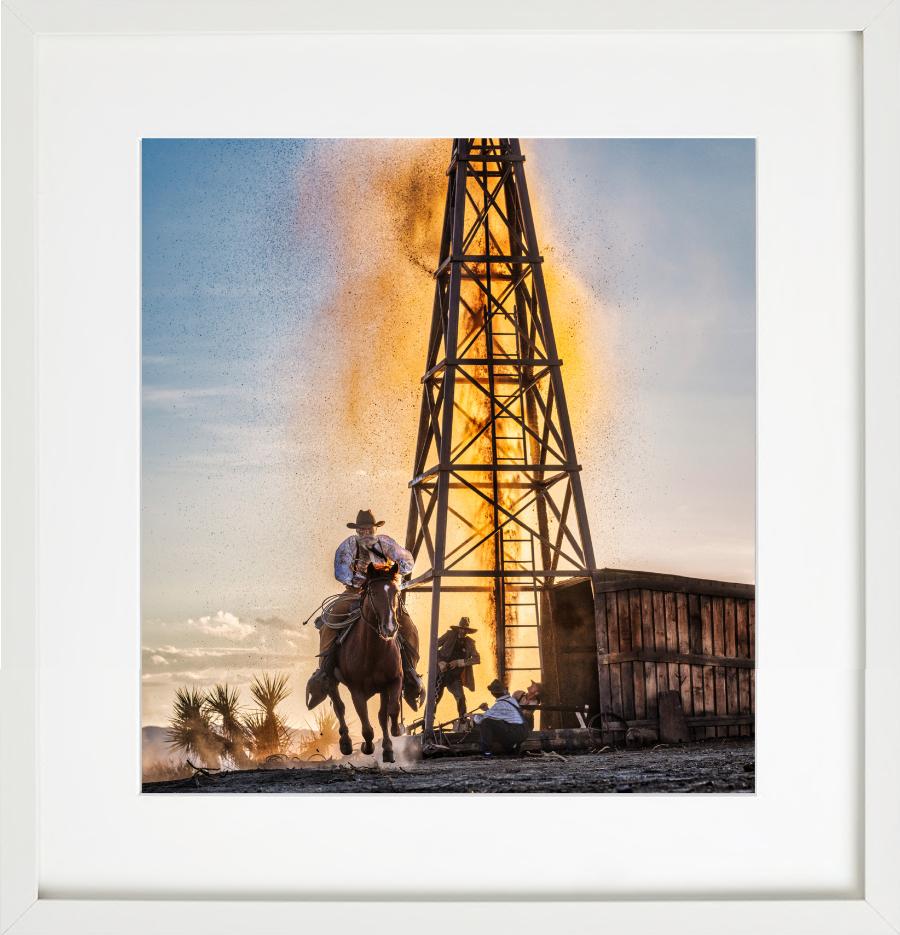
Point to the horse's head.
(383, 590)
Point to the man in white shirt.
(503, 724)
(351, 560)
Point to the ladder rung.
(523, 668)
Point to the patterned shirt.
(352, 548)
(505, 708)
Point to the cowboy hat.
(463, 626)
(365, 518)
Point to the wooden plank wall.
(569, 659)
(701, 645)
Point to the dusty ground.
(715, 766)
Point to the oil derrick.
(495, 497)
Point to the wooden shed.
(647, 634)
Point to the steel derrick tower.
(495, 496)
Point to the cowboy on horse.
(354, 556)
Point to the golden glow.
(384, 201)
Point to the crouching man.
(504, 724)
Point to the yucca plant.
(191, 730)
(321, 740)
(222, 703)
(268, 732)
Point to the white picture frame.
(876, 907)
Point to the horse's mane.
(382, 572)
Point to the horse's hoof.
(398, 731)
(388, 756)
(367, 747)
(346, 745)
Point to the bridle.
(374, 625)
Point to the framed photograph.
(358, 470)
(495, 632)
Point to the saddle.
(322, 682)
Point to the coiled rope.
(333, 620)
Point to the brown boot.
(321, 683)
(317, 688)
(413, 688)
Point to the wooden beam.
(688, 659)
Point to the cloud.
(169, 654)
(248, 445)
(181, 663)
(224, 624)
(235, 670)
(196, 679)
(179, 398)
(275, 628)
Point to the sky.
(286, 301)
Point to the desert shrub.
(319, 741)
(268, 733)
(192, 732)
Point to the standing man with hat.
(457, 654)
(351, 560)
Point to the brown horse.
(368, 661)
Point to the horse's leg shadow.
(337, 703)
(360, 702)
(387, 745)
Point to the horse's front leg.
(387, 745)
(337, 703)
(361, 703)
(395, 696)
